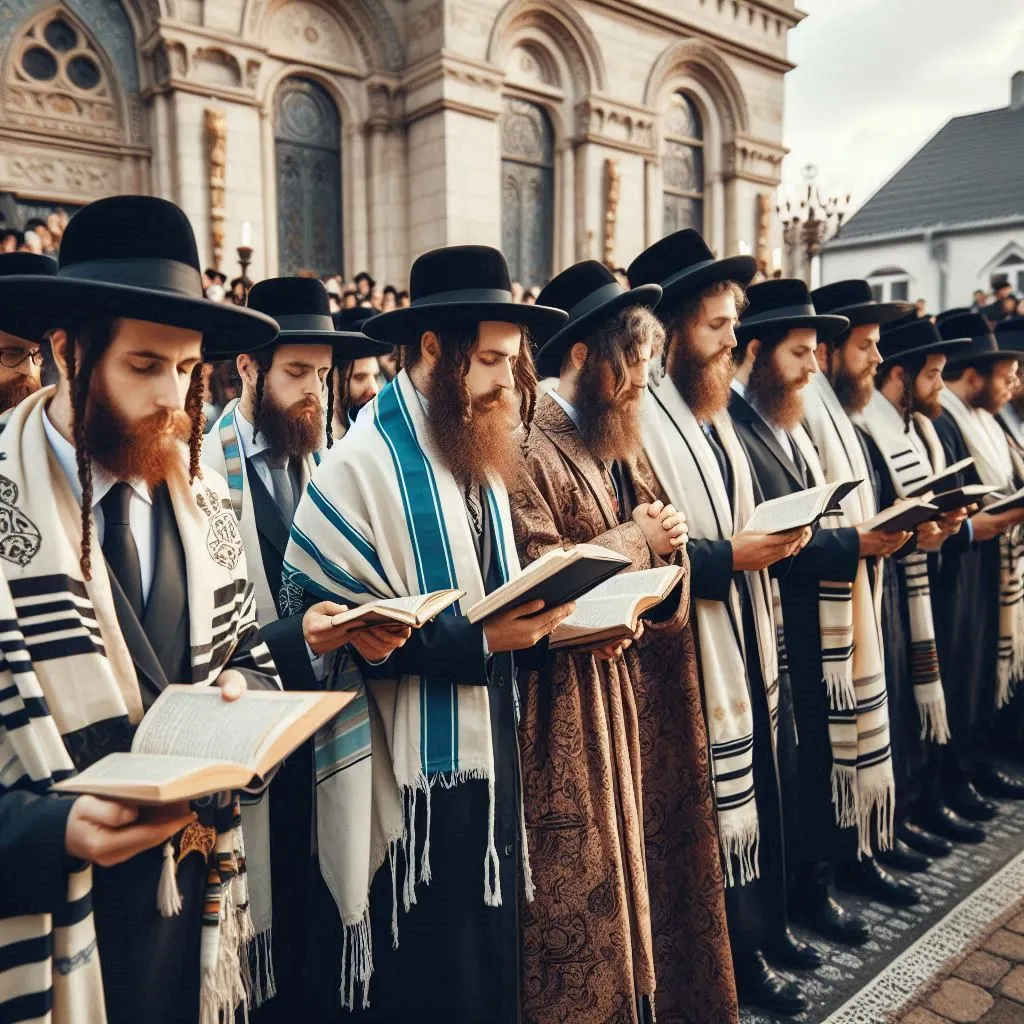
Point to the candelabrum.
(245, 258)
(809, 222)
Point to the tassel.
(168, 895)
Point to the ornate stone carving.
(216, 67)
(161, 65)
(611, 215)
(469, 21)
(754, 159)
(531, 64)
(427, 21)
(308, 30)
(178, 59)
(252, 73)
(57, 174)
(217, 141)
(764, 227)
(614, 124)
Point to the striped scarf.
(908, 466)
(988, 446)
(73, 670)
(383, 517)
(681, 457)
(863, 787)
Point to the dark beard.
(986, 398)
(474, 439)
(932, 408)
(609, 424)
(781, 404)
(853, 393)
(16, 390)
(703, 382)
(288, 431)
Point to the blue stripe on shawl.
(342, 525)
(289, 574)
(331, 569)
(232, 454)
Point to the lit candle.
(776, 259)
(744, 249)
(246, 234)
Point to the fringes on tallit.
(222, 989)
(492, 866)
(876, 812)
(740, 845)
(357, 959)
(842, 696)
(932, 710)
(168, 895)
(529, 889)
(258, 969)
(844, 795)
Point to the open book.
(795, 511)
(943, 480)
(612, 611)
(908, 514)
(560, 576)
(959, 497)
(192, 742)
(413, 611)
(1006, 503)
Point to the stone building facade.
(354, 134)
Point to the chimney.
(1017, 91)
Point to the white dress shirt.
(780, 435)
(252, 448)
(140, 508)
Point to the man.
(844, 776)
(354, 377)
(364, 286)
(1001, 291)
(648, 843)
(422, 786)
(695, 453)
(979, 300)
(42, 232)
(21, 359)
(126, 572)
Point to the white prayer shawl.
(851, 633)
(686, 466)
(383, 517)
(990, 450)
(80, 672)
(908, 466)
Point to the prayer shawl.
(988, 446)
(851, 633)
(74, 670)
(686, 466)
(908, 466)
(383, 517)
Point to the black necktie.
(798, 461)
(715, 443)
(119, 545)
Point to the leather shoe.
(922, 842)
(758, 985)
(969, 804)
(868, 878)
(789, 951)
(903, 858)
(826, 917)
(941, 821)
(992, 782)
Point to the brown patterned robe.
(616, 788)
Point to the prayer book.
(612, 611)
(795, 511)
(903, 515)
(413, 611)
(942, 480)
(192, 743)
(959, 497)
(1006, 503)
(560, 576)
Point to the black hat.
(351, 343)
(984, 346)
(786, 303)
(24, 322)
(216, 275)
(915, 336)
(460, 283)
(853, 299)
(683, 265)
(134, 256)
(589, 293)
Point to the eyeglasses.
(12, 358)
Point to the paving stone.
(960, 1001)
(1007, 944)
(1013, 986)
(983, 969)
(1017, 924)
(1004, 1012)
(923, 1016)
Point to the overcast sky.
(875, 79)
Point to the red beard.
(297, 431)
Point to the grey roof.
(969, 171)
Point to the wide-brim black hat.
(912, 337)
(853, 299)
(785, 304)
(23, 321)
(133, 257)
(683, 265)
(351, 343)
(589, 293)
(983, 346)
(461, 284)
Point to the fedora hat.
(909, 337)
(350, 342)
(853, 299)
(457, 284)
(983, 346)
(786, 303)
(22, 321)
(683, 265)
(589, 293)
(134, 257)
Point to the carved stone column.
(216, 138)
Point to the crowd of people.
(495, 829)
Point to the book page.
(1005, 504)
(791, 512)
(611, 603)
(144, 769)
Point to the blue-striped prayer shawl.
(384, 518)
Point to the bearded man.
(695, 452)
(844, 777)
(607, 735)
(21, 358)
(126, 572)
(420, 783)
(354, 379)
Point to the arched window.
(527, 191)
(683, 166)
(307, 136)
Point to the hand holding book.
(327, 626)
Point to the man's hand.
(988, 525)
(380, 642)
(232, 684)
(373, 644)
(879, 543)
(950, 522)
(664, 528)
(930, 536)
(752, 550)
(612, 651)
(107, 832)
(520, 628)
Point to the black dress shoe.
(967, 802)
(903, 858)
(941, 821)
(758, 985)
(922, 842)
(831, 921)
(867, 878)
(789, 951)
(992, 782)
